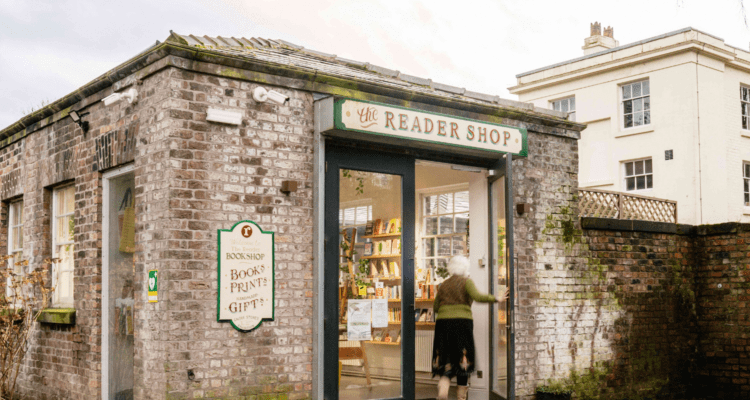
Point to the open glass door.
(501, 276)
(369, 275)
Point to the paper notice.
(358, 324)
(380, 313)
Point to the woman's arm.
(476, 295)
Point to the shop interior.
(450, 200)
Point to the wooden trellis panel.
(604, 204)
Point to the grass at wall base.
(22, 298)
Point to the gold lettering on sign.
(428, 122)
(389, 120)
(470, 133)
(454, 130)
(368, 116)
(441, 128)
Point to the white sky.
(50, 48)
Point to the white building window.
(638, 175)
(746, 178)
(445, 227)
(567, 105)
(636, 104)
(15, 240)
(745, 104)
(63, 247)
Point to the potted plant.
(553, 391)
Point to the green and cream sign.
(246, 275)
(406, 123)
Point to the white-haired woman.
(453, 348)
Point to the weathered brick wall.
(64, 361)
(723, 288)
(217, 175)
(546, 180)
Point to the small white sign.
(246, 275)
(383, 119)
(380, 313)
(358, 317)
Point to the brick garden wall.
(627, 314)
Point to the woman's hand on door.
(504, 297)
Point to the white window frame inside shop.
(424, 236)
(15, 240)
(745, 106)
(637, 171)
(567, 105)
(746, 182)
(361, 211)
(63, 251)
(635, 100)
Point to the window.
(745, 104)
(636, 104)
(445, 227)
(15, 239)
(567, 105)
(63, 207)
(638, 175)
(746, 179)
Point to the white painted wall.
(695, 111)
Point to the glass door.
(501, 276)
(369, 275)
(118, 284)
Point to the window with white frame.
(745, 105)
(746, 179)
(445, 227)
(567, 105)
(15, 240)
(63, 247)
(636, 104)
(638, 175)
(355, 215)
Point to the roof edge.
(614, 49)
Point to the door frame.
(502, 169)
(106, 179)
(337, 158)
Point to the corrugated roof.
(289, 54)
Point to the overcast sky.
(50, 48)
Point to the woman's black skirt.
(453, 348)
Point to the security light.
(76, 117)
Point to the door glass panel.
(500, 280)
(370, 284)
(121, 271)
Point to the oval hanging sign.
(412, 124)
(246, 275)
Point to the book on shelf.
(374, 268)
(423, 315)
(386, 247)
(394, 225)
(368, 249)
(369, 228)
(394, 269)
(430, 315)
(396, 246)
(417, 313)
(377, 336)
(384, 268)
(377, 226)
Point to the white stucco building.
(668, 117)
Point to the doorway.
(118, 284)
(392, 222)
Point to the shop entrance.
(392, 222)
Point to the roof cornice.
(685, 46)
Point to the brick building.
(214, 131)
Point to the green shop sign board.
(411, 124)
(246, 275)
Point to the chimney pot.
(596, 29)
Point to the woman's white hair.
(459, 265)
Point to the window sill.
(58, 316)
(745, 133)
(746, 210)
(635, 131)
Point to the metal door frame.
(337, 158)
(503, 168)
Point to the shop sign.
(246, 275)
(411, 124)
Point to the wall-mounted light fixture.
(288, 187)
(131, 95)
(84, 125)
(523, 208)
(261, 95)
